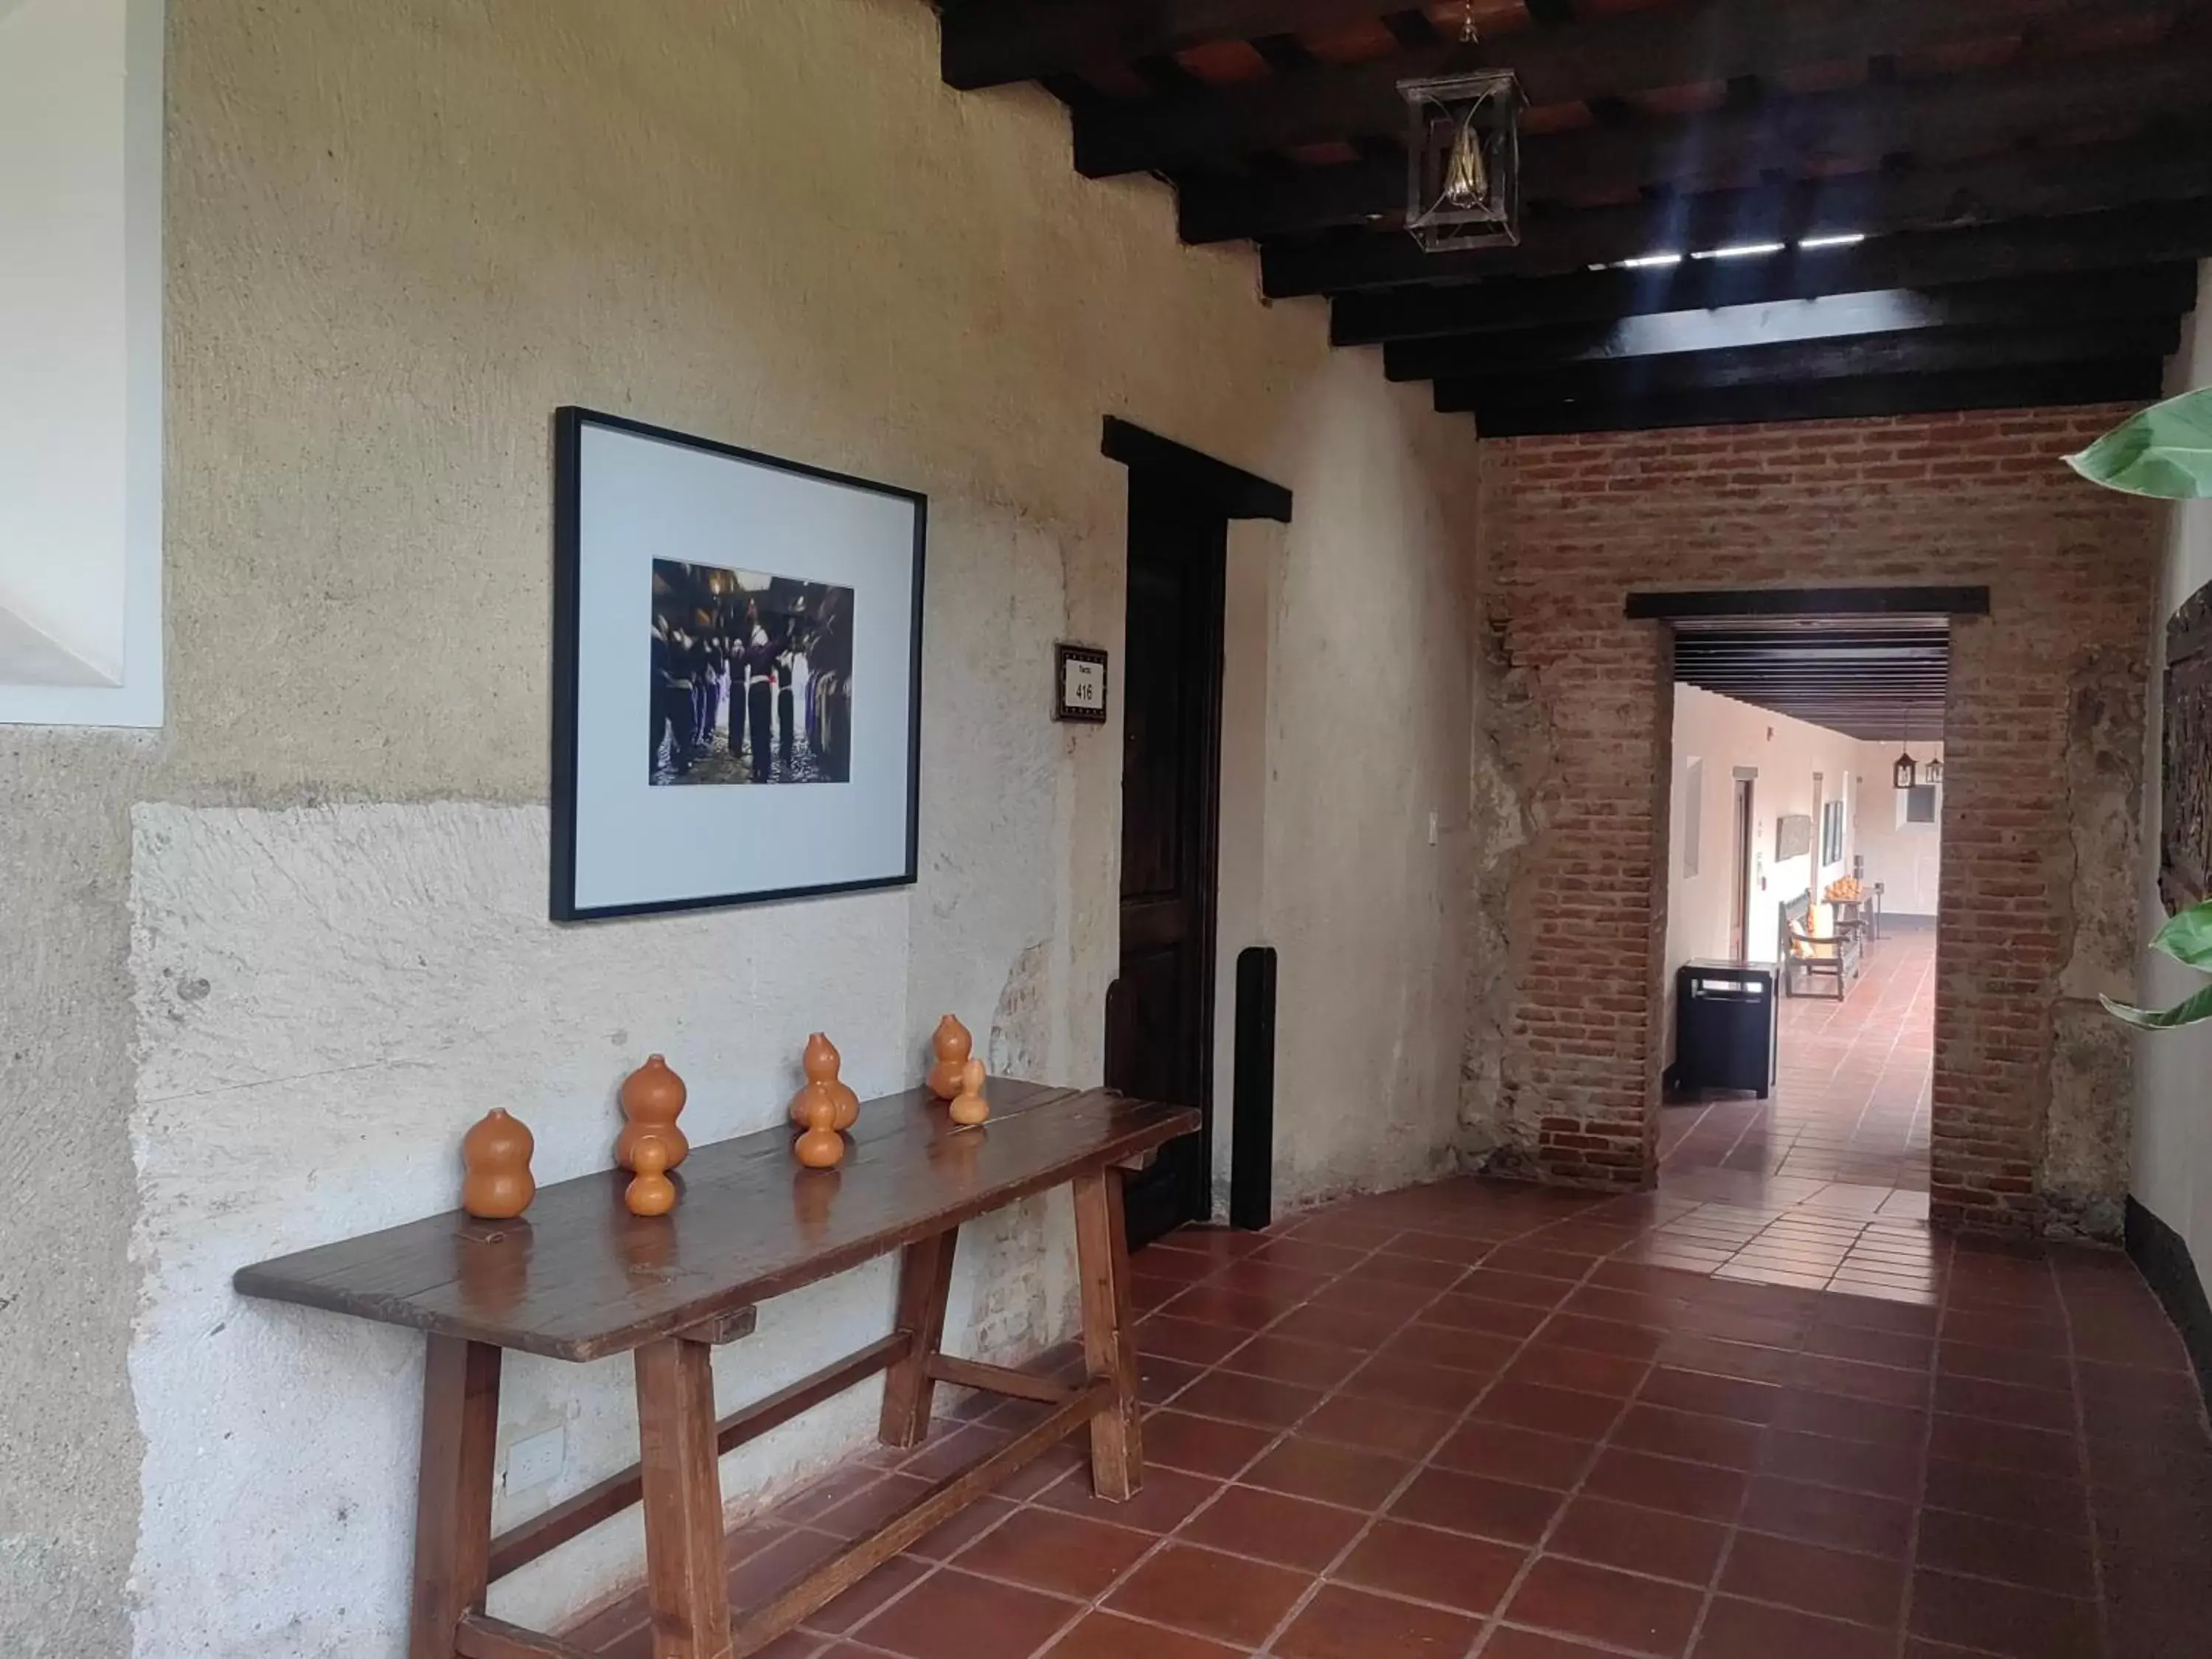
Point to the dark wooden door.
(1159, 1025)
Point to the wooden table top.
(580, 1277)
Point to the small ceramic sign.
(1080, 692)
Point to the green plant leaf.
(2188, 1011)
(2165, 451)
(2187, 936)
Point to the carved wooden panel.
(2185, 817)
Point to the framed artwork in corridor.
(761, 621)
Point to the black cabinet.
(1724, 1015)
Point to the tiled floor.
(1464, 1420)
(1824, 1183)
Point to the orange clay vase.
(821, 1147)
(821, 1063)
(650, 1192)
(969, 1106)
(652, 1095)
(495, 1157)
(952, 1045)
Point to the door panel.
(1159, 1037)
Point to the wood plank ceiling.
(1877, 678)
(1958, 204)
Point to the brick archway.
(2044, 757)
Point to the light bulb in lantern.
(1467, 174)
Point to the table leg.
(685, 1589)
(452, 1501)
(925, 1282)
(1101, 1259)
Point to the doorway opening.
(1161, 1009)
(1814, 743)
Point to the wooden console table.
(580, 1277)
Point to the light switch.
(535, 1461)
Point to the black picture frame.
(569, 421)
(1063, 653)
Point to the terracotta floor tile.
(1203, 1445)
(1467, 1502)
(2007, 1403)
(1506, 1642)
(1167, 1499)
(1549, 1411)
(1627, 1342)
(1698, 1490)
(1108, 1636)
(1064, 1554)
(948, 1538)
(2009, 1495)
(1391, 1382)
(1399, 1432)
(863, 1599)
(1524, 1456)
(1482, 1351)
(1187, 1339)
(1867, 1590)
(1430, 1565)
(1510, 1319)
(1572, 1598)
(1579, 1369)
(1619, 1535)
(1981, 1547)
(1745, 1630)
(1254, 1399)
(1690, 1435)
(1347, 1329)
(1343, 1623)
(1291, 1532)
(1219, 1306)
(1825, 1515)
(1331, 1474)
(1530, 1290)
(1210, 1594)
(2004, 1618)
(1283, 1359)
(1893, 1470)
(954, 1615)
(2001, 1445)
(1715, 1396)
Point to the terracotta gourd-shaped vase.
(652, 1095)
(969, 1106)
(820, 1063)
(821, 1147)
(952, 1045)
(650, 1192)
(497, 1185)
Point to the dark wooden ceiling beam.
(1615, 57)
(2124, 380)
(2163, 293)
(989, 43)
(1803, 363)
(2046, 185)
(1909, 259)
(1964, 114)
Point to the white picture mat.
(641, 498)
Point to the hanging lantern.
(1932, 772)
(1904, 774)
(1463, 160)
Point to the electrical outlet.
(535, 1461)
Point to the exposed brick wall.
(2043, 756)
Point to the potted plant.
(2166, 452)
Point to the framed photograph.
(761, 620)
(1079, 683)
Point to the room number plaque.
(1080, 683)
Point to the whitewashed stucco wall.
(266, 966)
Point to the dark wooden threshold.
(2163, 1256)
